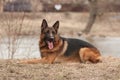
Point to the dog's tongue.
(50, 45)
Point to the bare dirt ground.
(72, 24)
(109, 69)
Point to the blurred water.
(27, 47)
(108, 46)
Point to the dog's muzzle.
(50, 43)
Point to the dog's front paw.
(21, 62)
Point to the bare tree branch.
(1, 6)
(92, 16)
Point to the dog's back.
(75, 45)
(79, 50)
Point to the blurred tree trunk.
(1, 6)
(92, 16)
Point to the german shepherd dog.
(56, 49)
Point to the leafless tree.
(92, 16)
(1, 6)
(12, 33)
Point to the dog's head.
(49, 34)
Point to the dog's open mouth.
(50, 44)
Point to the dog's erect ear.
(44, 24)
(56, 26)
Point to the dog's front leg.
(33, 61)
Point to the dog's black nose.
(51, 39)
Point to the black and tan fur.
(55, 48)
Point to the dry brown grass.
(109, 69)
(70, 23)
